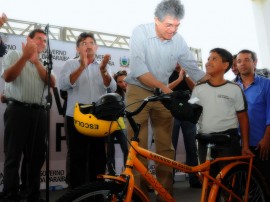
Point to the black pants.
(122, 139)
(189, 133)
(263, 166)
(87, 157)
(24, 134)
(229, 148)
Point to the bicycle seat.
(213, 137)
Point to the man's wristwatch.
(184, 76)
(105, 73)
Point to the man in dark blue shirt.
(257, 91)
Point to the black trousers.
(262, 165)
(87, 156)
(24, 134)
(229, 148)
(122, 139)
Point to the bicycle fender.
(220, 176)
(120, 179)
(227, 168)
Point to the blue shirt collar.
(256, 78)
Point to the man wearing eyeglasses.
(85, 80)
(155, 49)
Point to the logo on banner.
(124, 61)
(54, 176)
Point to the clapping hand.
(3, 19)
(83, 59)
(30, 51)
(182, 74)
(104, 62)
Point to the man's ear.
(255, 64)
(226, 65)
(157, 22)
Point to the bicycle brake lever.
(157, 91)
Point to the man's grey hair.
(172, 8)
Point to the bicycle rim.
(236, 180)
(97, 192)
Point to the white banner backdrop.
(62, 51)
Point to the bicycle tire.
(100, 191)
(236, 179)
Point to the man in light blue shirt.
(155, 49)
(85, 80)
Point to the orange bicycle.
(237, 181)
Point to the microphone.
(47, 28)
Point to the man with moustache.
(257, 91)
(85, 80)
(25, 117)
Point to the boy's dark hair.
(33, 33)
(225, 55)
(83, 36)
(253, 54)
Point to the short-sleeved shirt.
(220, 106)
(258, 100)
(150, 54)
(28, 87)
(88, 87)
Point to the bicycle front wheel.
(97, 192)
(236, 180)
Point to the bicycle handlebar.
(156, 97)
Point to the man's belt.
(23, 104)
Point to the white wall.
(261, 12)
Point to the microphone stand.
(49, 102)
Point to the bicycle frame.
(203, 169)
(232, 183)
